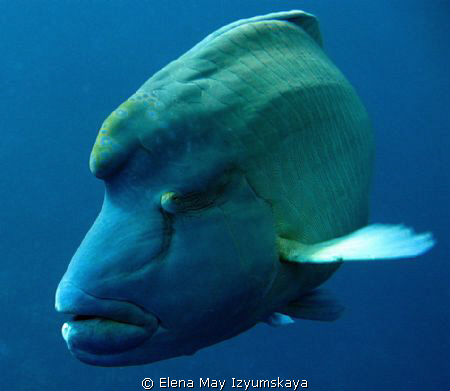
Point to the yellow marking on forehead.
(120, 131)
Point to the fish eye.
(170, 202)
(192, 201)
(173, 202)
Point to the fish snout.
(102, 326)
(122, 246)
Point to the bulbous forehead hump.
(219, 86)
(121, 131)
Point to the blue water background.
(65, 65)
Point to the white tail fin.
(376, 241)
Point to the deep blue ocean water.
(65, 65)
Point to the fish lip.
(84, 306)
(103, 337)
(109, 356)
(102, 327)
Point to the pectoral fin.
(376, 241)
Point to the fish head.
(180, 257)
(214, 157)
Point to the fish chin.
(129, 347)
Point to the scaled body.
(229, 175)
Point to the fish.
(237, 182)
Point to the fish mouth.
(102, 326)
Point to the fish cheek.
(251, 224)
(220, 263)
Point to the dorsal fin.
(307, 22)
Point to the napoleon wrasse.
(237, 181)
